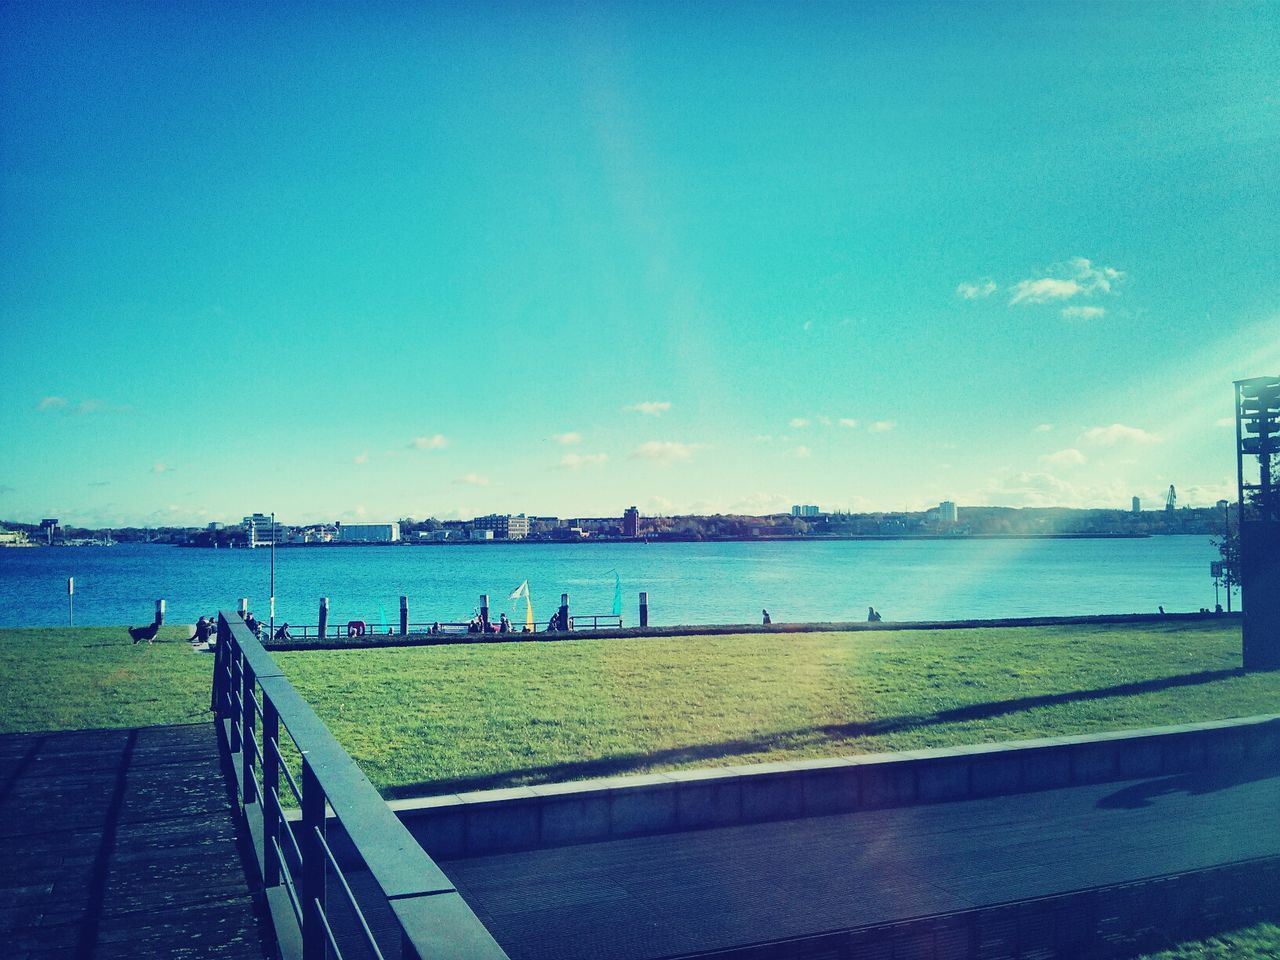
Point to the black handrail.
(249, 686)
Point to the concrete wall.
(555, 814)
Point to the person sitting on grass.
(202, 630)
(282, 632)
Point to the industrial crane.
(1171, 500)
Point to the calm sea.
(686, 582)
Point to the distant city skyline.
(449, 261)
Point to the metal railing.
(592, 621)
(341, 631)
(253, 702)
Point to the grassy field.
(479, 716)
(1261, 942)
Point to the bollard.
(404, 616)
(244, 607)
(644, 609)
(484, 612)
(159, 613)
(71, 601)
(564, 612)
(324, 617)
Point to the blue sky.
(380, 261)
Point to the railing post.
(235, 686)
(324, 617)
(644, 609)
(314, 942)
(247, 718)
(270, 789)
(404, 615)
(484, 612)
(564, 612)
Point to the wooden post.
(314, 941)
(271, 814)
(644, 609)
(564, 612)
(324, 617)
(244, 607)
(160, 613)
(248, 718)
(404, 615)
(484, 612)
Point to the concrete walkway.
(684, 893)
(120, 843)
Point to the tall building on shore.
(1137, 506)
(805, 510)
(947, 512)
(503, 525)
(369, 532)
(631, 522)
(260, 530)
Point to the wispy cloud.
(161, 468)
(1083, 313)
(1118, 433)
(807, 325)
(473, 480)
(882, 426)
(437, 441)
(100, 483)
(361, 457)
(1063, 281)
(567, 438)
(977, 289)
(802, 452)
(52, 403)
(1043, 427)
(763, 438)
(1070, 457)
(575, 461)
(799, 423)
(848, 422)
(664, 451)
(650, 408)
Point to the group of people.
(873, 616)
(479, 625)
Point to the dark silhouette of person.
(504, 625)
(282, 632)
(201, 634)
(1161, 609)
(766, 618)
(252, 623)
(872, 615)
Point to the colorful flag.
(617, 594)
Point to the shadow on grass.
(628, 763)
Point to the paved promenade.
(676, 894)
(120, 843)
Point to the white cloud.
(802, 452)
(567, 438)
(361, 457)
(848, 422)
(575, 460)
(1118, 433)
(763, 438)
(1066, 280)
(1069, 457)
(161, 468)
(799, 423)
(1043, 427)
(52, 403)
(882, 426)
(473, 480)
(437, 441)
(807, 325)
(976, 290)
(664, 451)
(1083, 313)
(761, 504)
(1043, 290)
(650, 408)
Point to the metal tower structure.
(1171, 501)
(1258, 478)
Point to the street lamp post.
(273, 574)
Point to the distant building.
(260, 530)
(13, 538)
(504, 526)
(369, 532)
(631, 522)
(947, 512)
(805, 510)
(1137, 505)
(478, 533)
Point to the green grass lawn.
(60, 679)
(478, 716)
(1261, 942)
